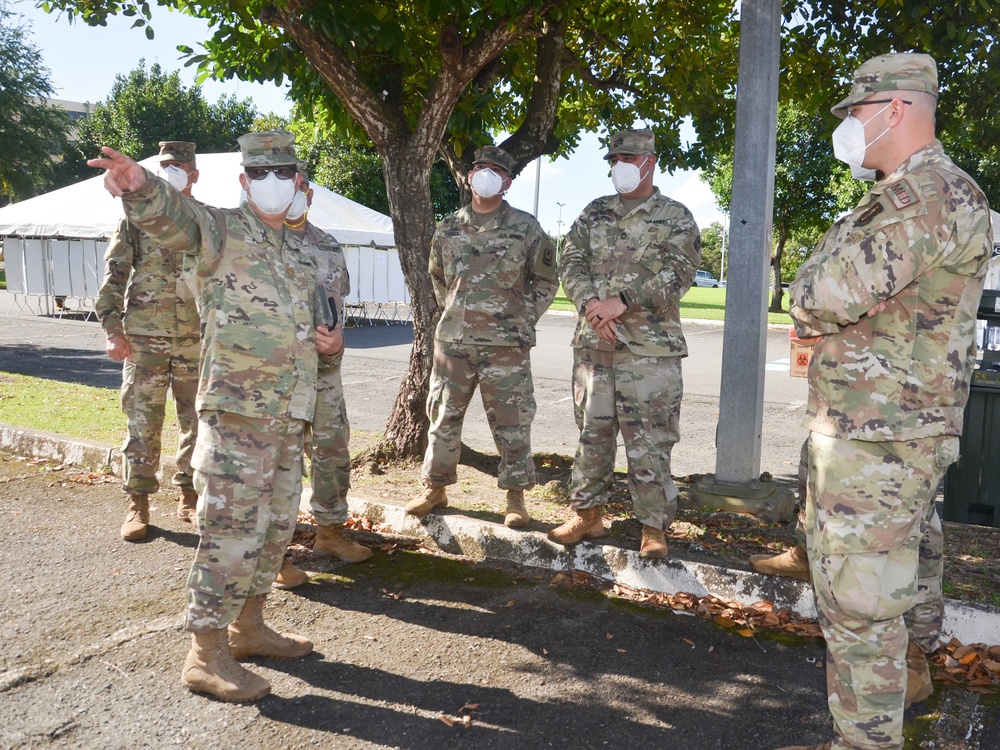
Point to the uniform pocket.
(218, 457)
(868, 563)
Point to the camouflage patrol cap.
(177, 151)
(904, 71)
(495, 156)
(271, 148)
(631, 142)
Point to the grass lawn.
(71, 409)
(700, 303)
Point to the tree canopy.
(31, 132)
(145, 107)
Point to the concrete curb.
(458, 534)
(480, 540)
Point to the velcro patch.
(869, 213)
(901, 194)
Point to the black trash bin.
(972, 485)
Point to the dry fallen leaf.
(609, 636)
(508, 604)
(467, 721)
(447, 720)
(621, 650)
(688, 641)
(469, 707)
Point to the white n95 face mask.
(625, 177)
(298, 207)
(850, 147)
(271, 194)
(176, 176)
(486, 183)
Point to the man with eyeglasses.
(891, 292)
(626, 262)
(260, 347)
(150, 319)
(494, 275)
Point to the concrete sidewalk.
(454, 533)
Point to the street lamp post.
(559, 223)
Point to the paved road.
(72, 350)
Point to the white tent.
(54, 244)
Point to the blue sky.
(84, 61)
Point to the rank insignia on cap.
(869, 213)
(901, 194)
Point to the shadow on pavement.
(65, 365)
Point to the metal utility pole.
(736, 483)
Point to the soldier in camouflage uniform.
(330, 431)
(892, 291)
(256, 292)
(150, 320)
(626, 262)
(494, 274)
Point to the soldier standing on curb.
(494, 275)
(892, 292)
(330, 432)
(626, 262)
(256, 293)
(151, 322)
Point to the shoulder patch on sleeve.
(902, 194)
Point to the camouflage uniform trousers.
(248, 474)
(503, 374)
(876, 554)
(641, 397)
(328, 452)
(158, 362)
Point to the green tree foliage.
(31, 133)
(711, 250)
(825, 40)
(149, 106)
(354, 170)
(810, 186)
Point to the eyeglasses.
(873, 101)
(282, 173)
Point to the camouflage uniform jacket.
(495, 281)
(919, 241)
(331, 267)
(143, 292)
(649, 253)
(255, 289)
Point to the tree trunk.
(779, 251)
(407, 177)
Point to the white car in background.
(704, 278)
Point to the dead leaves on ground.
(977, 665)
(464, 721)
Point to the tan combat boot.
(210, 668)
(654, 544)
(187, 504)
(332, 541)
(585, 524)
(136, 524)
(429, 499)
(918, 675)
(289, 576)
(517, 515)
(249, 636)
(792, 563)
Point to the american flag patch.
(901, 194)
